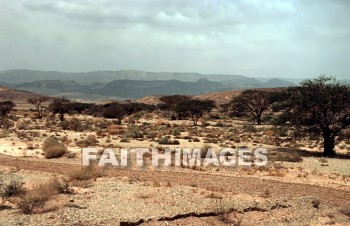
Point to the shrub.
(345, 210)
(88, 141)
(35, 198)
(86, 173)
(52, 148)
(114, 129)
(13, 188)
(285, 155)
(175, 142)
(205, 123)
(249, 129)
(219, 124)
(124, 140)
(134, 132)
(204, 150)
(176, 132)
(196, 139)
(73, 124)
(166, 140)
(5, 123)
(60, 185)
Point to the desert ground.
(297, 187)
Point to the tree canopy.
(319, 106)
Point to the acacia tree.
(320, 106)
(6, 107)
(60, 106)
(252, 102)
(195, 108)
(171, 103)
(37, 102)
(114, 110)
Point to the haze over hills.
(127, 84)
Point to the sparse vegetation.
(90, 140)
(86, 173)
(52, 148)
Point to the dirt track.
(224, 183)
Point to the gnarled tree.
(37, 102)
(60, 106)
(171, 103)
(253, 102)
(320, 106)
(195, 108)
(114, 110)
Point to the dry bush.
(72, 124)
(204, 150)
(249, 129)
(114, 129)
(133, 132)
(345, 210)
(176, 132)
(52, 148)
(60, 185)
(152, 134)
(286, 155)
(36, 198)
(166, 140)
(11, 189)
(90, 140)
(205, 123)
(196, 139)
(159, 122)
(269, 133)
(86, 173)
(6, 123)
(316, 203)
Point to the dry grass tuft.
(86, 173)
(53, 148)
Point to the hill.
(15, 95)
(276, 82)
(218, 97)
(84, 78)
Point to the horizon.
(256, 39)
(287, 78)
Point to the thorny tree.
(253, 102)
(320, 106)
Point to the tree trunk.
(61, 116)
(40, 115)
(329, 143)
(258, 119)
(195, 120)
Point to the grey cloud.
(260, 38)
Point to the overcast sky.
(260, 38)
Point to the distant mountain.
(121, 89)
(275, 82)
(219, 98)
(129, 84)
(21, 76)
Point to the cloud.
(258, 38)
